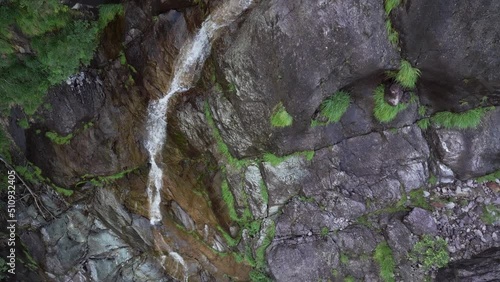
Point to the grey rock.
(421, 222)
(399, 239)
(482, 267)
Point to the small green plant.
(228, 198)
(432, 180)
(422, 110)
(382, 111)
(123, 59)
(63, 191)
(489, 177)
(349, 279)
(280, 117)
(324, 231)
(260, 253)
(390, 4)
(417, 199)
(424, 123)
(383, 256)
(259, 276)
(431, 252)
(468, 119)
(264, 191)
(334, 107)
(491, 214)
(392, 34)
(407, 75)
(56, 138)
(344, 259)
(23, 123)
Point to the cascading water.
(189, 63)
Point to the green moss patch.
(280, 117)
(383, 256)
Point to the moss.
(344, 259)
(259, 276)
(382, 111)
(64, 192)
(417, 199)
(431, 252)
(324, 231)
(432, 180)
(383, 256)
(230, 241)
(422, 111)
(100, 181)
(228, 198)
(407, 75)
(349, 279)
(468, 119)
(491, 214)
(264, 191)
(280, 117)
(123, 59)
(23, 123)
(334, 107)
(58, 139)
(489, 177)
(276, 160)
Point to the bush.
(407, 75)
(430, 252)
(280, 117)
(334, 107)
(108, 13)
(382, 111)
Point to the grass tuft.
(384, 112)
(390, 5)
(260, 253)
(264, 191)
(468, 119)
(383, 256)
(417, 199)
(424, 123)
(58, 139)
(280, 117)
(392, 33)
(334, 107)
(407, 75)
(228, 198)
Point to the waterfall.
(188, 65)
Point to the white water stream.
(188, 65)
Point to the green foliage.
(324, 231)
(32, 174)
(382, 111)
(36, 18)
(432, 179)
(4, 146)
(3, 268)
(390, 4)
(489, 177)
(468, 119)
(23, 123)
(407, 75)
(280, 117)
(383, 256)
(392, 34)
(228, 198)
(422, 110)
(259, 276)
(56, 138)
(431, 252)
(334, 107)
(344, 259)
(231, 242)
(417, 199)
(349, 279)
(264, 191)
(63, 191)
(123, 59)
(108, 13)
(491, 214)
(424, 123)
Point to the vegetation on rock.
(383, 256)
(468, 119)
(430, 252)
(334, 107)
(407, 75)
(382, 111)
(280, 117)
(491, 214)
(489, 177)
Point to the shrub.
(108, 13)
(335, 106)
(407, 75)
(430, 252)
(468, 119)
(384, 112)
(383, 256)
(280, 117)
(259, 276)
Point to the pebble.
(426, 194)
(450, 205)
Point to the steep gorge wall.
(340, 190)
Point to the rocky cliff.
(284, 161)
